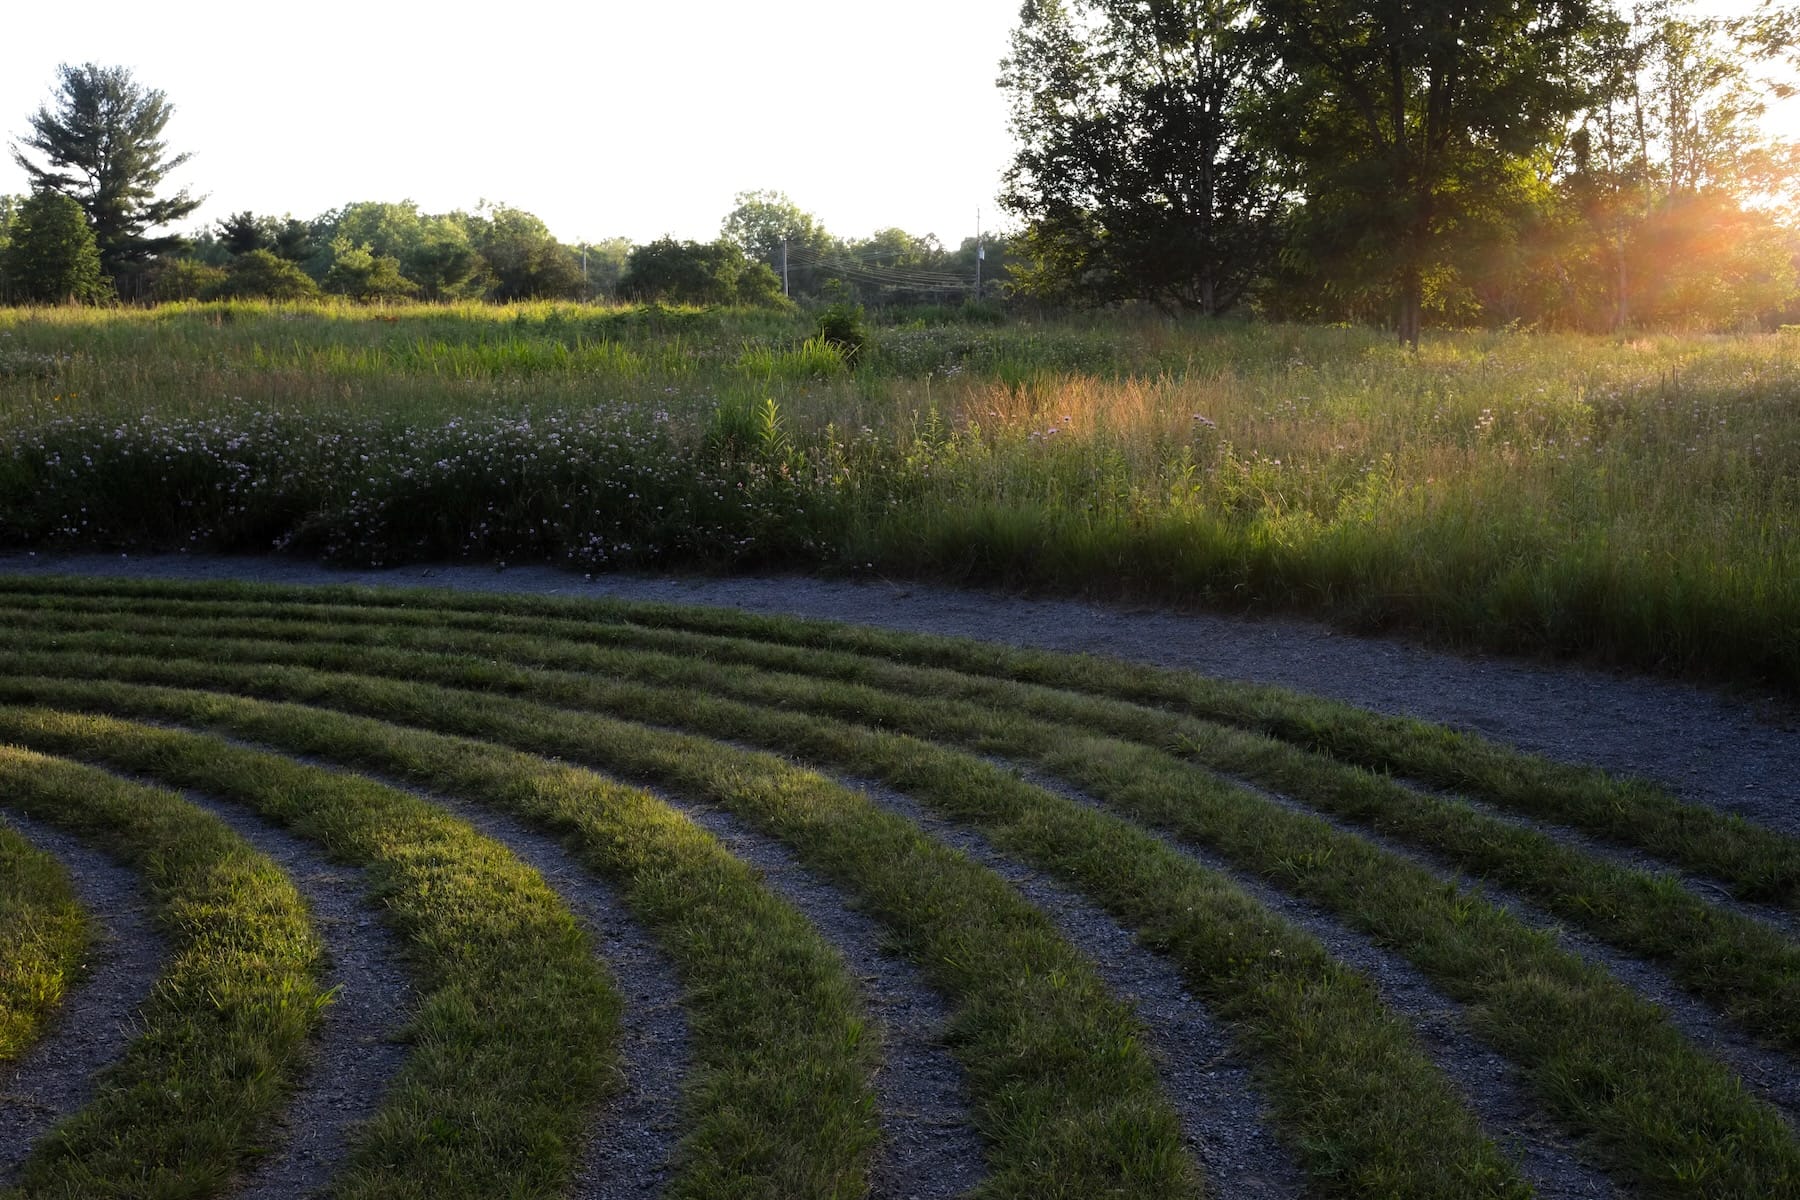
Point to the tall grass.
(1632, 500)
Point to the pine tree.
(102, 143)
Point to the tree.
(523, 259)
(356, 271)
(103, 147)
(698, 273)
(1134, 176)
(1409, 121)
(244, 231)
(764, 225)
(50, 256)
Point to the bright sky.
(609, 117)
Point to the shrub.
(186, 279)
(260, 275)
(843, 326)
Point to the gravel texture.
(629, 1153)
(98, 1017)
(1739, 754)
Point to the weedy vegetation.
(1632, 500)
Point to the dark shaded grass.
(1372, 1115)
(1748, 970)
(1604, 1060)
(1755, 862)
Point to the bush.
(260, 275)
(186, 279)
(844, 327)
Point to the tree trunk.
(1412, 306)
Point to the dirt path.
(1703, 745)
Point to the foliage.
(843, 326)
(103, 147)
(50, 256)
(362, 275)
(1134, 173)
(260, 275)
(186, 279)
(697, 273)
(523, 260)
(1404, 125)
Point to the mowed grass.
(44, 934)
(556, 710)
(1633, 500)
(223, 1034)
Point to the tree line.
(1552, 163)
(88, 233)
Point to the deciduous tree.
(1134, 177)
(1408, 123)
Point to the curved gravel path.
(1737, 755)
(629, 1156)
(1494, 1089)
(99, 1016)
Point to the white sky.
(609, 117)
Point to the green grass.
(1505, 491)
(560, 679)
(511, 1044)
(222, 1037)
(44, 938)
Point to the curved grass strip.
(225, 1031)
(512, 1044)
(1756, 863)
(1068, 1099)
(1369, 1112)
(44, 934)
(1743, 967)
(1605, 1061)
(779, 1106)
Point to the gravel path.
(629, 1154)
(98, 1017)
(1737, 755)
(929, 1147)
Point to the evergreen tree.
(102, 146)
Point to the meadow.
(1633, 501)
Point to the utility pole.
(980, 253)
(784, 279)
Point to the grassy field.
(1635, 501)
(1248, 838)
